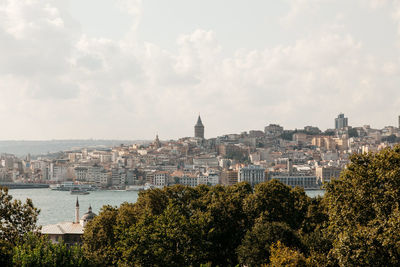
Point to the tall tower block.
(199, 129)
(399, 122)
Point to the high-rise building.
(399, 121)
(199, 129)
(341, 122)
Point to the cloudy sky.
(129, 69)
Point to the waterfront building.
(229, 177)
(81, 173)
(93, 174)
(252, 174)
(161, 178)
(213, 178)
(199, 129)
(104, 178)
(58, 170)
(307, 182)
(188, 180)
(326, 173)
(202, 179)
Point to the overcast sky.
(109, 69)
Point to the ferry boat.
(77, 191)
(68, 186)
(134, 188)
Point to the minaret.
(77, 211)
(199, 129)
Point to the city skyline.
(129, 69)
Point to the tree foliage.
(40, 251)
(182, 226)
(364, 210)
(356, 223)
(282, 255)
(16, 220)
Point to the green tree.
(363, 208)
(277, 202)
(99, 240)
(353, 132)
(284, 256)
(16, 219)
(38, 250)
(255, 248)
(170, 239)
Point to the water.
(59, 206)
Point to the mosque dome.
(88, 216)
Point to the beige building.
(229, 177)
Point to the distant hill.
(21, 148)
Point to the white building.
(307, 182)
(213, 178)
(58, 172)
(93, 175)
(81, 174)
(189, 181)
(251, 174)
(202, 179)
(161, 178)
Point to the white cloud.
(60, 83)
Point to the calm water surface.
(59, 206)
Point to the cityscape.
(199, 133)
(305, 157)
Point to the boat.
(68, 186)
(134, 188)
(77, 191)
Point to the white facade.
(301, 181)
(81, 173)
(213, 179)
(251, 174)
(58, 172)
(105, 178)
(93, 175)
(202, 179)
(189, 181)
(161, 178)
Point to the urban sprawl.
(305, 158)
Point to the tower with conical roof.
(199, 129)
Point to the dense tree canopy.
(356, 223)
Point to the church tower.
(199, 129)
(156, 142)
